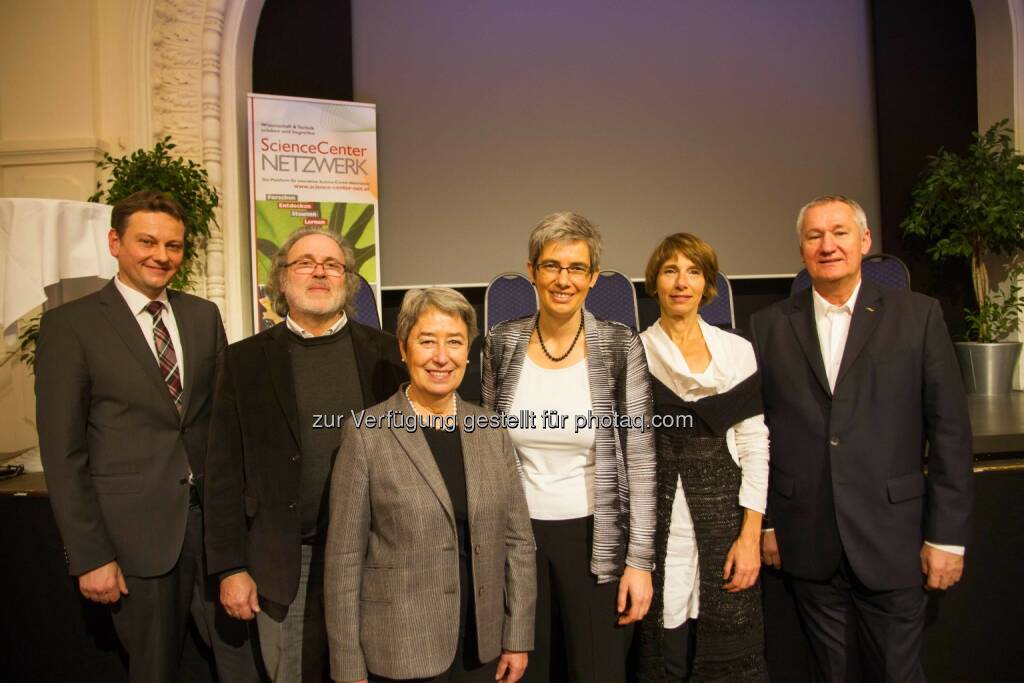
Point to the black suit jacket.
(252, 485)
(846, 467)
(115, 451)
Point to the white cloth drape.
(44, 241)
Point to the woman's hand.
(511, 666)
(743, 563)
(635, 592)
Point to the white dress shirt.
(732, 361)
(833, 323)
(137, 302)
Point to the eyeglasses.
(307, 266)
(553, 269)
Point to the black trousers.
(677, 649)
(843, 618)
(152, 620)
(595, 645)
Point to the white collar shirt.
(306, 334)
(137, 302)
(833, 324)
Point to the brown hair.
(693, 248)
(144, 200)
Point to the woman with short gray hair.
(591, 490)
(430, 562)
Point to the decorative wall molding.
(1017, 30)
(213, 31)
(53, 151)
(199, 51)
(1017, 120)
(176, 59)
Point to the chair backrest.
(886, 270)
(365, 306)
(508, 296)
(613, 298)
(720, 311)
(882, 269)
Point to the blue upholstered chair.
(613, 298)
(365, 305)
(720, 311)
(508, 296)
(882, 269)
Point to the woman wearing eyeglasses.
(712, 481)
(590, 487)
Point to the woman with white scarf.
(712, 450)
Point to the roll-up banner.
(312, 163)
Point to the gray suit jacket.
(115, 451)
(392, 575)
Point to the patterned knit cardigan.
(624, 496)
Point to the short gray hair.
(859, 217)
(445, 299)
(279, 266)
(566, 226)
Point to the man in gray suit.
(124, 380)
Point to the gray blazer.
(624, 495)
(392, 566)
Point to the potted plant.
(183, 179)
(154, 169)
(971, 207)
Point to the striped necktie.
(165, 355)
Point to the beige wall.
(66, 88)
(64, 80)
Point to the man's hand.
(743, 564)
(770, 550)
(238, 595)
(104, 584)
(511, 666)
(942, 568)
(636, 591)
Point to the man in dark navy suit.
(859, 380)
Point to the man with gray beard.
(270, 457)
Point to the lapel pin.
(870, 309)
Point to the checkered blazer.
(392, 564)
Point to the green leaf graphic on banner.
(354, 221)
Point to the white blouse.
(732, 361)
(557, 454)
